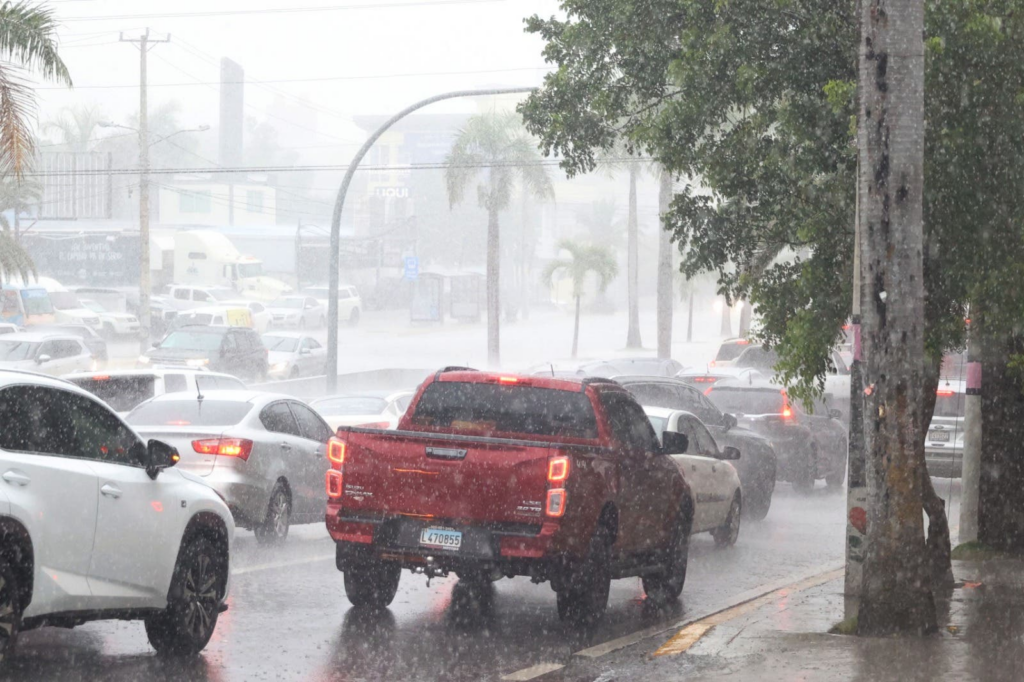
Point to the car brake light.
(558, 469)
(101, 377)
(555, 505)
(787, 412)
(705, 380)
(944, 392)
(374, 425)
(334, 484)
(336, 451)
(711, 364)
(743, 342)
(224, 447)
(508, 380)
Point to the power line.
(279, 10)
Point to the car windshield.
(93, 306)
(287, 303)
(281, 344)
(190, 413)
(121, 393)
(506, 409)
(13, 351)
(36, 302)
(758, 358)
(731, 351)
(349, 405)
(250, 269)
(748, 400)
(192, 339)
(669, 397)
(64, 300)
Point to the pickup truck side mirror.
(674, 443)
(730, 422)
(159, 456)
(42, 359)
(729, 454)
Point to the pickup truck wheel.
(274, 529)
(759, 500)
(10, 610)
(372, 585)
(184, 628)
(584, 596)
(665, 587)
(726, 534)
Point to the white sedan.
(372, 410)
(302, 312)
(715, 485)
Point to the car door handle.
(111, 490)
(16, 477)
(286, 446)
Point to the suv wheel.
(353, 318)
(665, 587)
(10, 609)
(584, 596)
(759, 499)
(274, 529)
(726, 534)
(184, 628)
(372, 584)
(803, 479)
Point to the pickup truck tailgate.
(440, 477)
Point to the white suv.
(94, 524)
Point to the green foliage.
(758, 100)
(583, 260)
(15, 263)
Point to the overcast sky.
(383, 55)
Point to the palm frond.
(584, 259)
(16, 105)
(28, 37)
(15, 263)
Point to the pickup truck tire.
(759, 500)
(726, 534)
(584, 596)
(274, 528)
(665, 587)
(372, 584)
(185, 627)
(10, 610)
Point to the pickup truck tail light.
(335, 478)
(336, 451)
(558, 469)
(554, 507)
(334, 484)
(224, 447)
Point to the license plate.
(938, 436)
(441, 538)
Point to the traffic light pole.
(334, 275)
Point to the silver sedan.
(293, 355)
(265, 454)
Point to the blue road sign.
(412, 268)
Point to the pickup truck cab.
(490, 476)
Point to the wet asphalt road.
(289, 619)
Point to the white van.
(67, 308)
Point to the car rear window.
(194, 339)
(748, 401)
(730, 351)
(190, 413)
(340, 407)
(672, 398)
(121, 393)
(506, 409)
(949, 405)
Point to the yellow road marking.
(691, 634)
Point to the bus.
(25, 305)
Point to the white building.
(206, 200)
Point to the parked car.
(294, 355)
(96, 344)
(261, 317)
(704, 380)
(837, 380)
(350, 303)
(371, 410)
(124, 390)
(84, 538)
(655, 367)
(578, 489)
(231, 350)
(301, 312)
(265, 454)
(758, 462)
(45, 353)
(809, 446)
(188, 297)
(944, 444)
(7, 328)
(226, 315)
(728, 352)
(113, 324)
(714, 483)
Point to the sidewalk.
(784, 637)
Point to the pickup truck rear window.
(506, 409)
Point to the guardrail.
(352, 382)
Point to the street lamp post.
(334, 276)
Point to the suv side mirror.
(674, 443)
(304, 351)
(729, 453)
(730, 422)
(160, 456)
(43, 358)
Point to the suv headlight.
(144, 360)
(198, 363)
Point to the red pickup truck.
(492, 476)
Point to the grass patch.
(845, 627)
(977, 551)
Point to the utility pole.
(971, 474)
(145, 45)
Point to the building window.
(194, 202)
(254, 201)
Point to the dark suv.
(232, 350)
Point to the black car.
(810, 445)
(96, 344)
(757, 464)
(232, 350)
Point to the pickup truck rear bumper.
(520, 549)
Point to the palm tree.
(584, 259)
(76, 127)
(496, 149)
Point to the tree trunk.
(576, 330)
(746, 315)
(726, 328)
(665, 298)
(689, 319)
(633, 264)
(896, 594)
(493, 290)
